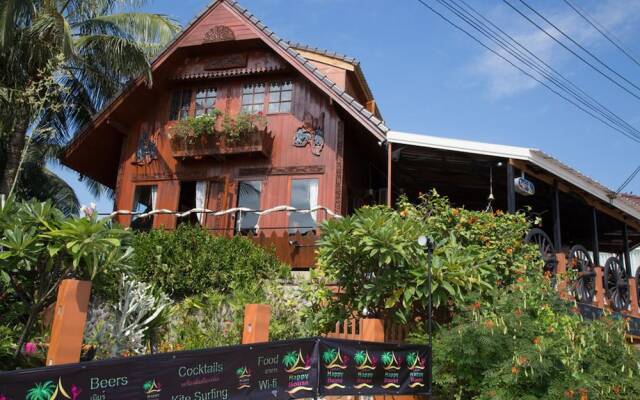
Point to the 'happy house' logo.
(335, 363)
(365, 365)
(152, 389)
(48, 390)
(391, 364)
(298, 368)
(244, 377)
(416, 365)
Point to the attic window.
(180, 102)
(253, 98)
(280, 97)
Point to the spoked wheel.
(616, 285)
(545, 246)
(584, 287)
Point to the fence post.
(256, 323)
(600, 298)
(561, 275)
(70, 315)
(633, 297)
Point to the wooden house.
(299, 126)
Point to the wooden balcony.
(258, 142)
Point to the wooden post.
(600, 298)
(389, 170)
(511, 190)
(561, 275)
(372, 330)
(594, 236)
(627, 256)
(256, 323)
(557, 231)
(633, 296)
(68, 322)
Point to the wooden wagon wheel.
(545, 246)
(616, 285)
(584, 287)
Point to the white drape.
(313, 198)
(201, 193)
(154, 196)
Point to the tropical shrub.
(524, 342)
(189, 261)
(232, 129)
(41, 247)
(381, 271)
(129, 325)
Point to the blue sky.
(429, 78)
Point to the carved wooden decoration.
(311, 132)
(226, 62)
(219, 33)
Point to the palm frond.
(144, 28)
(14, 14)
(123, 55)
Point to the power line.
(579, 45)
(599, 71)
(633, 136)
(540, 66)
(603, 31)
(628, 180)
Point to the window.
(253, 98)
(249, 197)
(192, 195)
(180, 103)
(304, 196)
(205, 100)
(144, 200)
(280, 97)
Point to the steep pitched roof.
(375, 125)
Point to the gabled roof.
(281, 46)
(530, 155)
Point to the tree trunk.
(14, 153)
(33, 312)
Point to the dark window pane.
(248, 197)
(143, 202)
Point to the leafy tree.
(103, 44)
(524, 342)
(41, 247)
(374, 258)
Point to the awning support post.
(557, 235)
(511, 190)
(389, 170)
(627, 255)
(594, 237)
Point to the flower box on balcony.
(255, 142)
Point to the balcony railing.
(257, 142)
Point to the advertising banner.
(275, 370)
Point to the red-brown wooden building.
(325, 145)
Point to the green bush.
(524, 342)
(375, 259)
(189, 261)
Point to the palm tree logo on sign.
(298, 368)
(48, 390)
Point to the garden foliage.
(381, 271)
(524, 342)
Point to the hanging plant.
(233, 130)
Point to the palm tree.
(41, 391)
(104, 45)
(386, 358)
(360, 357)
(329, 355)
(289, 360)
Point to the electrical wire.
(602, 119)
(554, 75)
(598, 70)
(603, 31)
(628, 180)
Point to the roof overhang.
(533, 156)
